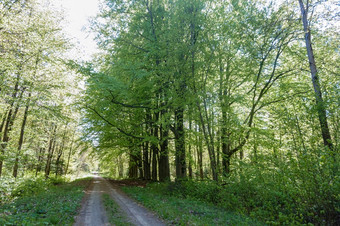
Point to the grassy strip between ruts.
(55, 205)
(185, 211)
(115, 214)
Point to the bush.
(30, 186)
(54, 205)
(289, 190)
(11, 188)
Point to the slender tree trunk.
(10, 121)
(50, 151)
(140, 162)
(69, 155)
(21, 138)
(326, 136)
(200, 155)
(218, 152)
(4, 116)
(180, 145)
(2, 151)
(39, 162)
(190, 152)
(154, 149)
(209, 142)
(146, 162)
(133, 165)
(146, 147)
(164, 166)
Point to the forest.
(231, 102)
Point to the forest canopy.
(236, 95)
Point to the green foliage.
(44, 204)
(11, 188)
(115, 214)
(30, 186)
(178, 210)
(275, 191)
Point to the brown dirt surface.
(93, 211)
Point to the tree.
(320, 105)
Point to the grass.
(115, 214)
(57, 204)
(185, 211)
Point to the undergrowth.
(275, 191)
(36, 201)
(184, 211)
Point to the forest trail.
(93, 211)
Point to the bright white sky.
(77, 13)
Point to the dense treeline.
(221, 90)
(235, 100)
(38, 124)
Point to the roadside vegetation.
(38, 201)
(270, 197)
(181, 208)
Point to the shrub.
(287, 190)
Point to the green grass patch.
(52, 204)
(115, 214)
(184, 211)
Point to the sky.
(77, 13)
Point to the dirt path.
(93, 212)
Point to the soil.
(93, 212)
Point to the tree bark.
(146, 162)
(50, 151)
(154, 150)
(39, 162)
(180, 144)
(164, 166)
(69, 155)
(60, 153)
(190, 152)
(21, 138)
(326, 136)
(9, 121)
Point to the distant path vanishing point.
(93, 213)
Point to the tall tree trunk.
(21, 138)
(208, 140)
(146, 162)
(190, 152)
(218, 152)
(60, 153)
(146, 147)
(133, 165)
(69, 155)
(180, 144)
(10, 120)
(120, 167)
(50, 151)
(140, 162)
(154, 149)
(200, 154)
(39, 161)
(164, 166)
(326, 136)
(2, 151)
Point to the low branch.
(108, 122)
